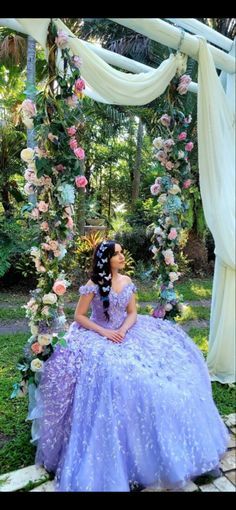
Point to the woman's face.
(117, 261)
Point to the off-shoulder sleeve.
(87, 289)
(133, 287)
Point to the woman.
(129, 400)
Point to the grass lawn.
(192, 290)
(16, 451)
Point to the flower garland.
(54, 170)
(171, 150)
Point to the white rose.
(162, 198)
(173, 276)
(35, 252)
(175, 189)
(168, 307)
(44, 339)
(49, 299)
(27, 121)
(27, 154)
(158, 231)
(158, 142)
(34, 329)
(36, 365)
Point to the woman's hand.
(122, 332)
(112, 334)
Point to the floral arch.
(216, 124)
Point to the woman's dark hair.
(101, 271)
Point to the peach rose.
(59, 287)
(36, 348)
(42, 206)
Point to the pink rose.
(182, 136)
(77, 61)
(44, 226)
(81, 181)
(187, 183)
(172, 234)
(29, 107)
(53, 245)
(169, 165)
(184, 82)
(34, 213)
(73, 143)
(42, 206)
(155, 189)
(71, 130)
(70, 223)
(59, 287)
(30, 175)
(189, 146)
(79, 85)
(36, 348)
(28, 188)
(62, 39)
(161, 156)
(72, 101)
(45, 246)
(168, 144)
(79, 153)
(169, 257)
(165, 120)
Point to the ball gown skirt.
(139, 412)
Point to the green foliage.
(83, 252)
(136, 242)
(16, 238)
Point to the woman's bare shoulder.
(126, 278)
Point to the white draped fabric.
(114, 86)
(216, 162)
(216, 137)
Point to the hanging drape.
(216, 142)
(114, 86)
(216, 137)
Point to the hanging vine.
(54, 172)
(172, 188)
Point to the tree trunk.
(137, 164)
(31, 60)
(5, 199)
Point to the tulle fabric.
(137, 412)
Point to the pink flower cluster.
(184, 82)
(78, 151)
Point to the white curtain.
(114, 86)
(216, 136)
(216, 162)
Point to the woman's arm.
(80, 317)
(131, 317)
(81, 311)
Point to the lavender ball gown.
(115, 414)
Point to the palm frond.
(13, 50)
